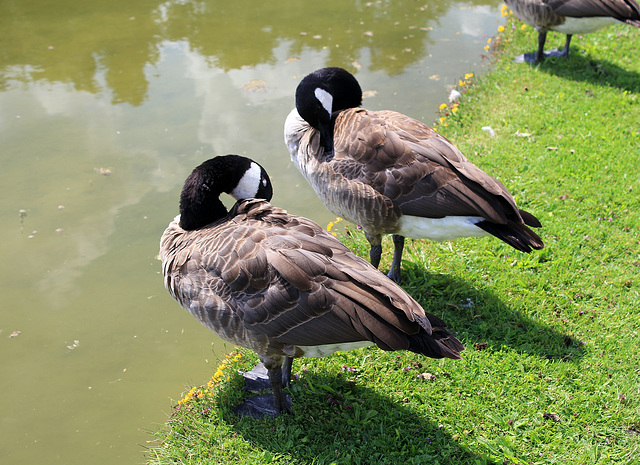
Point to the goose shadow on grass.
(341, 422)
(347, 422)
(478, 316)
(597, 72)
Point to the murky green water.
(105, 107)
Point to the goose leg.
(375, 253)
(279, 400)
(394, 272)
(564, 53)
(542, 38)
(286, 371)
(271, 373)
(538, 55)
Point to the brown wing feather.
(419, 170)
(268, 280)
(619, 9)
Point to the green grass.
(551, 373)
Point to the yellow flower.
(443, 106)
(500, 28)
(489, 40)
(442, 119)
(468, 75)
(192, 394)
(505, 11)
(454, 110)
(523, 27)
(486, 47)
(333, 223)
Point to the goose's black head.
(323, 93)
(240, 177)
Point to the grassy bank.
(551, 373)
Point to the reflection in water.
(69, 45)
(104, 110)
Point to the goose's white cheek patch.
(325, 99)
(248, 186)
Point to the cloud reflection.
(43, 40)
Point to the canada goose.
(279, 284)
(391, 174)
(570, 17)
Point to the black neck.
(344, 90)
(200, 202)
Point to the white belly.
(583, 25)
(328, 349)
(440, 229)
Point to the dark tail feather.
(440, 344)
(530, 220)
(633, 22)
(518, 236)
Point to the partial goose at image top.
(570, 17)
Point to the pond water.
(105, 108)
